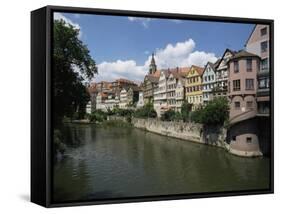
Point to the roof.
(156, 74)
(198, 69)
(242, 54)
(212, 65)
(124, 80)
(250, 34)
(152, 78)
(226, 50)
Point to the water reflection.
(125, 162)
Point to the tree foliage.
(72, 67)
(146, 111)
(185, 110)
(216, 112)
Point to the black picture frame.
(41, 103)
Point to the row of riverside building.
(241, 76)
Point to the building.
(111, 102)
(180, 93)
(222, 74)
(152, 66)
(93, 92)
(242, 89)
(258, 43)
(128, 97)
(208, 81)
(100, 101)
(150, 82)
(140, 102)
(104, 86)
(174, 90)
(160, 93)
(89, 108)
(193, 86)
(119, 84)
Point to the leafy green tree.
(185, 110)
(72, 67)
(216, 112)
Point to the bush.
(168, 115)
(147, 111)
(97, 116)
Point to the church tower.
(152, 66)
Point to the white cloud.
(59, 16)
(128, 69)
(143, 21)
(181, 54)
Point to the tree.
(216, 112)
(185, 110)
(72, 67)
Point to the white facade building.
(208, 82)
(180, 93)
(140, 102)
(222, 74)
(160, 93)
(171, 90)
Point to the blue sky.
(121, 46)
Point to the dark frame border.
(48, 93)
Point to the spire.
(152, 66)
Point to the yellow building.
(193, 86)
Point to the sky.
(122, 46)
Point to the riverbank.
(197, 133)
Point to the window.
(264, 64)
(236, 85)
(249, 84)
(236, 67)
(249, 65)
(264, 46)
(263, 82)
(249, 140)
(263, 31)
(249, 104)
(237, 105)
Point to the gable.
(226, 56)
(192, 72)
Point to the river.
(114, 162)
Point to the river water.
(115, 162)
